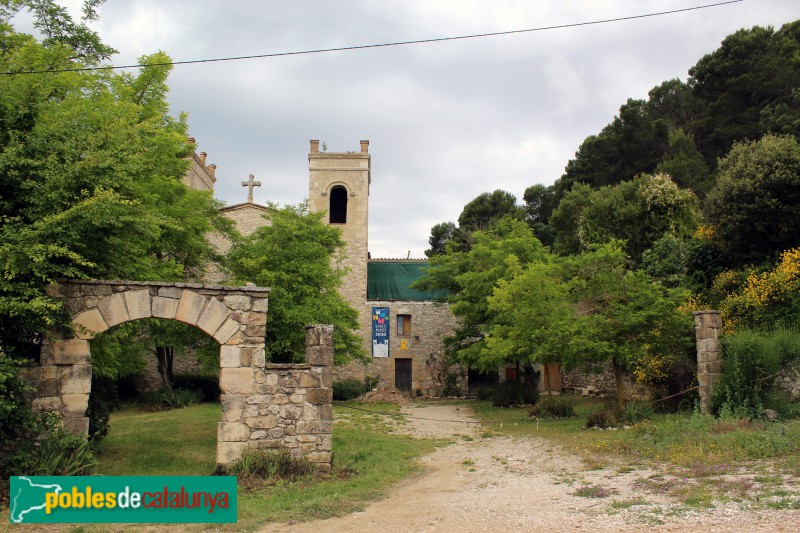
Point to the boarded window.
(403, 325)
(338, 208)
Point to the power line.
(378, 45)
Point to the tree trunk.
(619, 376)
(164, 366)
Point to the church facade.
(402, 329)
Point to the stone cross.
(250, 183)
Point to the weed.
(467, 462)
(636, 411)
(594, 491)
(630, 502)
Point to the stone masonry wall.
(430, 323)
(264, 406)
(281, 407)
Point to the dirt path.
(524, 484)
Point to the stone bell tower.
(339, 186)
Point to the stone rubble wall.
(281, 406)
(603, 384)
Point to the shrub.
(751, 361)
(451, 385)
(165, 399)
(486, 393)
(607, 418)
(103, 400)
(349, 388)
(58, 454)
(636, 411)
(511, 393)
(206, 385)
(553, 408)
(267, 465)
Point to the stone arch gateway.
(265, 406)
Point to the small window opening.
(403, 325)
(338, 208)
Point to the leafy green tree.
(301, 260)
(633, 143)
(530, 312)
(471, 276)
(755, 205)
(441, 234)
(621, 316)
(638, 212)
(540, 200)
(684, 163)
(486, 209)
(91, 168)
(746, 87)
(480, 213)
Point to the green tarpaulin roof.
(390, 281)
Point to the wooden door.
(402, 375)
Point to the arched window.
(338, 207)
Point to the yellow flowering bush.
(762, 297)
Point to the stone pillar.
(708, 327)
(63, 382)
(319, 354)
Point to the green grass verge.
(178, 442)
(367, 460)
(682, 439)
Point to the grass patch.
(181, 442)
(367, 460)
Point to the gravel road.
(526, 484)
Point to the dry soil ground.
(525, 484)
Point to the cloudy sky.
(446, 121)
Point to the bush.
(207, 386)
(267, 465)
(636, 411)
(486, 393)
(511, 393)
(164, 399)
(607, 418)
(553, 408)
(103, 400)
(347, 389)
(751, 361)
(58, 454)
(451, 385)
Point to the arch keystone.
(164, 307)
(138, 303)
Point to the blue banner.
(380, 332)
(122, 499)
